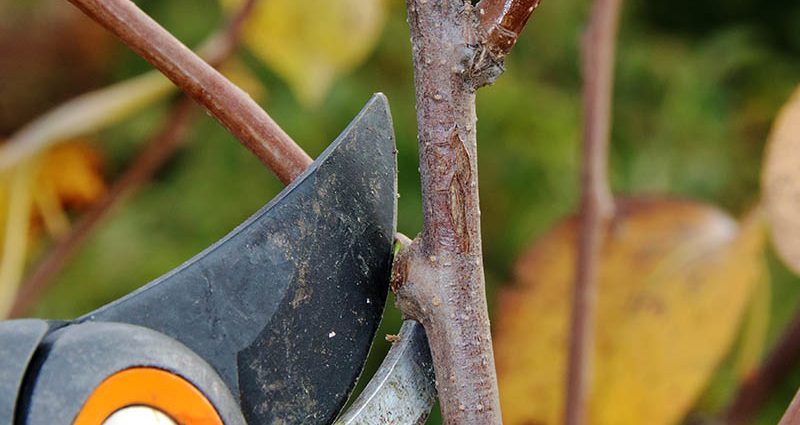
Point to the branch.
(502, 21)
(438, 279)
(792, 415)
(596, 201)
(232, 107)
(157, 152)
(755, 390)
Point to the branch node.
(484, 66)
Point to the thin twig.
(596, 201)
(755, 390)
(232, 107)
(792, 415)
(155, 154)
(503, 21)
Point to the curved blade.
(285, 307)
(402, 391)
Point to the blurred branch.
(597, 204)
(792, 415)
(755, 390)
(232, 107)
(84, 114)
(151, 159)
(101, 108)
(154, 155)
(222, 46)
(503, 21)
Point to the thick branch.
(502, 21)
(443, 285)
(596, 201)
(756, 389)
(232, 107)
(439, 278)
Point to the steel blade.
(402, 391)
(285, 306)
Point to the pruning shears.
(272, 324)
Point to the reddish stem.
(503, 21)
(232, 107)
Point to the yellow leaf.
(310, 43)
(68, 174)
(674, 281)
(753, 338)
(781, 182)
(73, 172)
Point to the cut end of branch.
(502, 21)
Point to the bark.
(439, 278)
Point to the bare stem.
(755, 390)
(155, 154)
(232, 107)
(596, 201)
(439, 278)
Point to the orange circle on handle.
(156, 388)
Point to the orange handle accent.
(156, 388)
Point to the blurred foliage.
(698, 85)
(36, 196)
